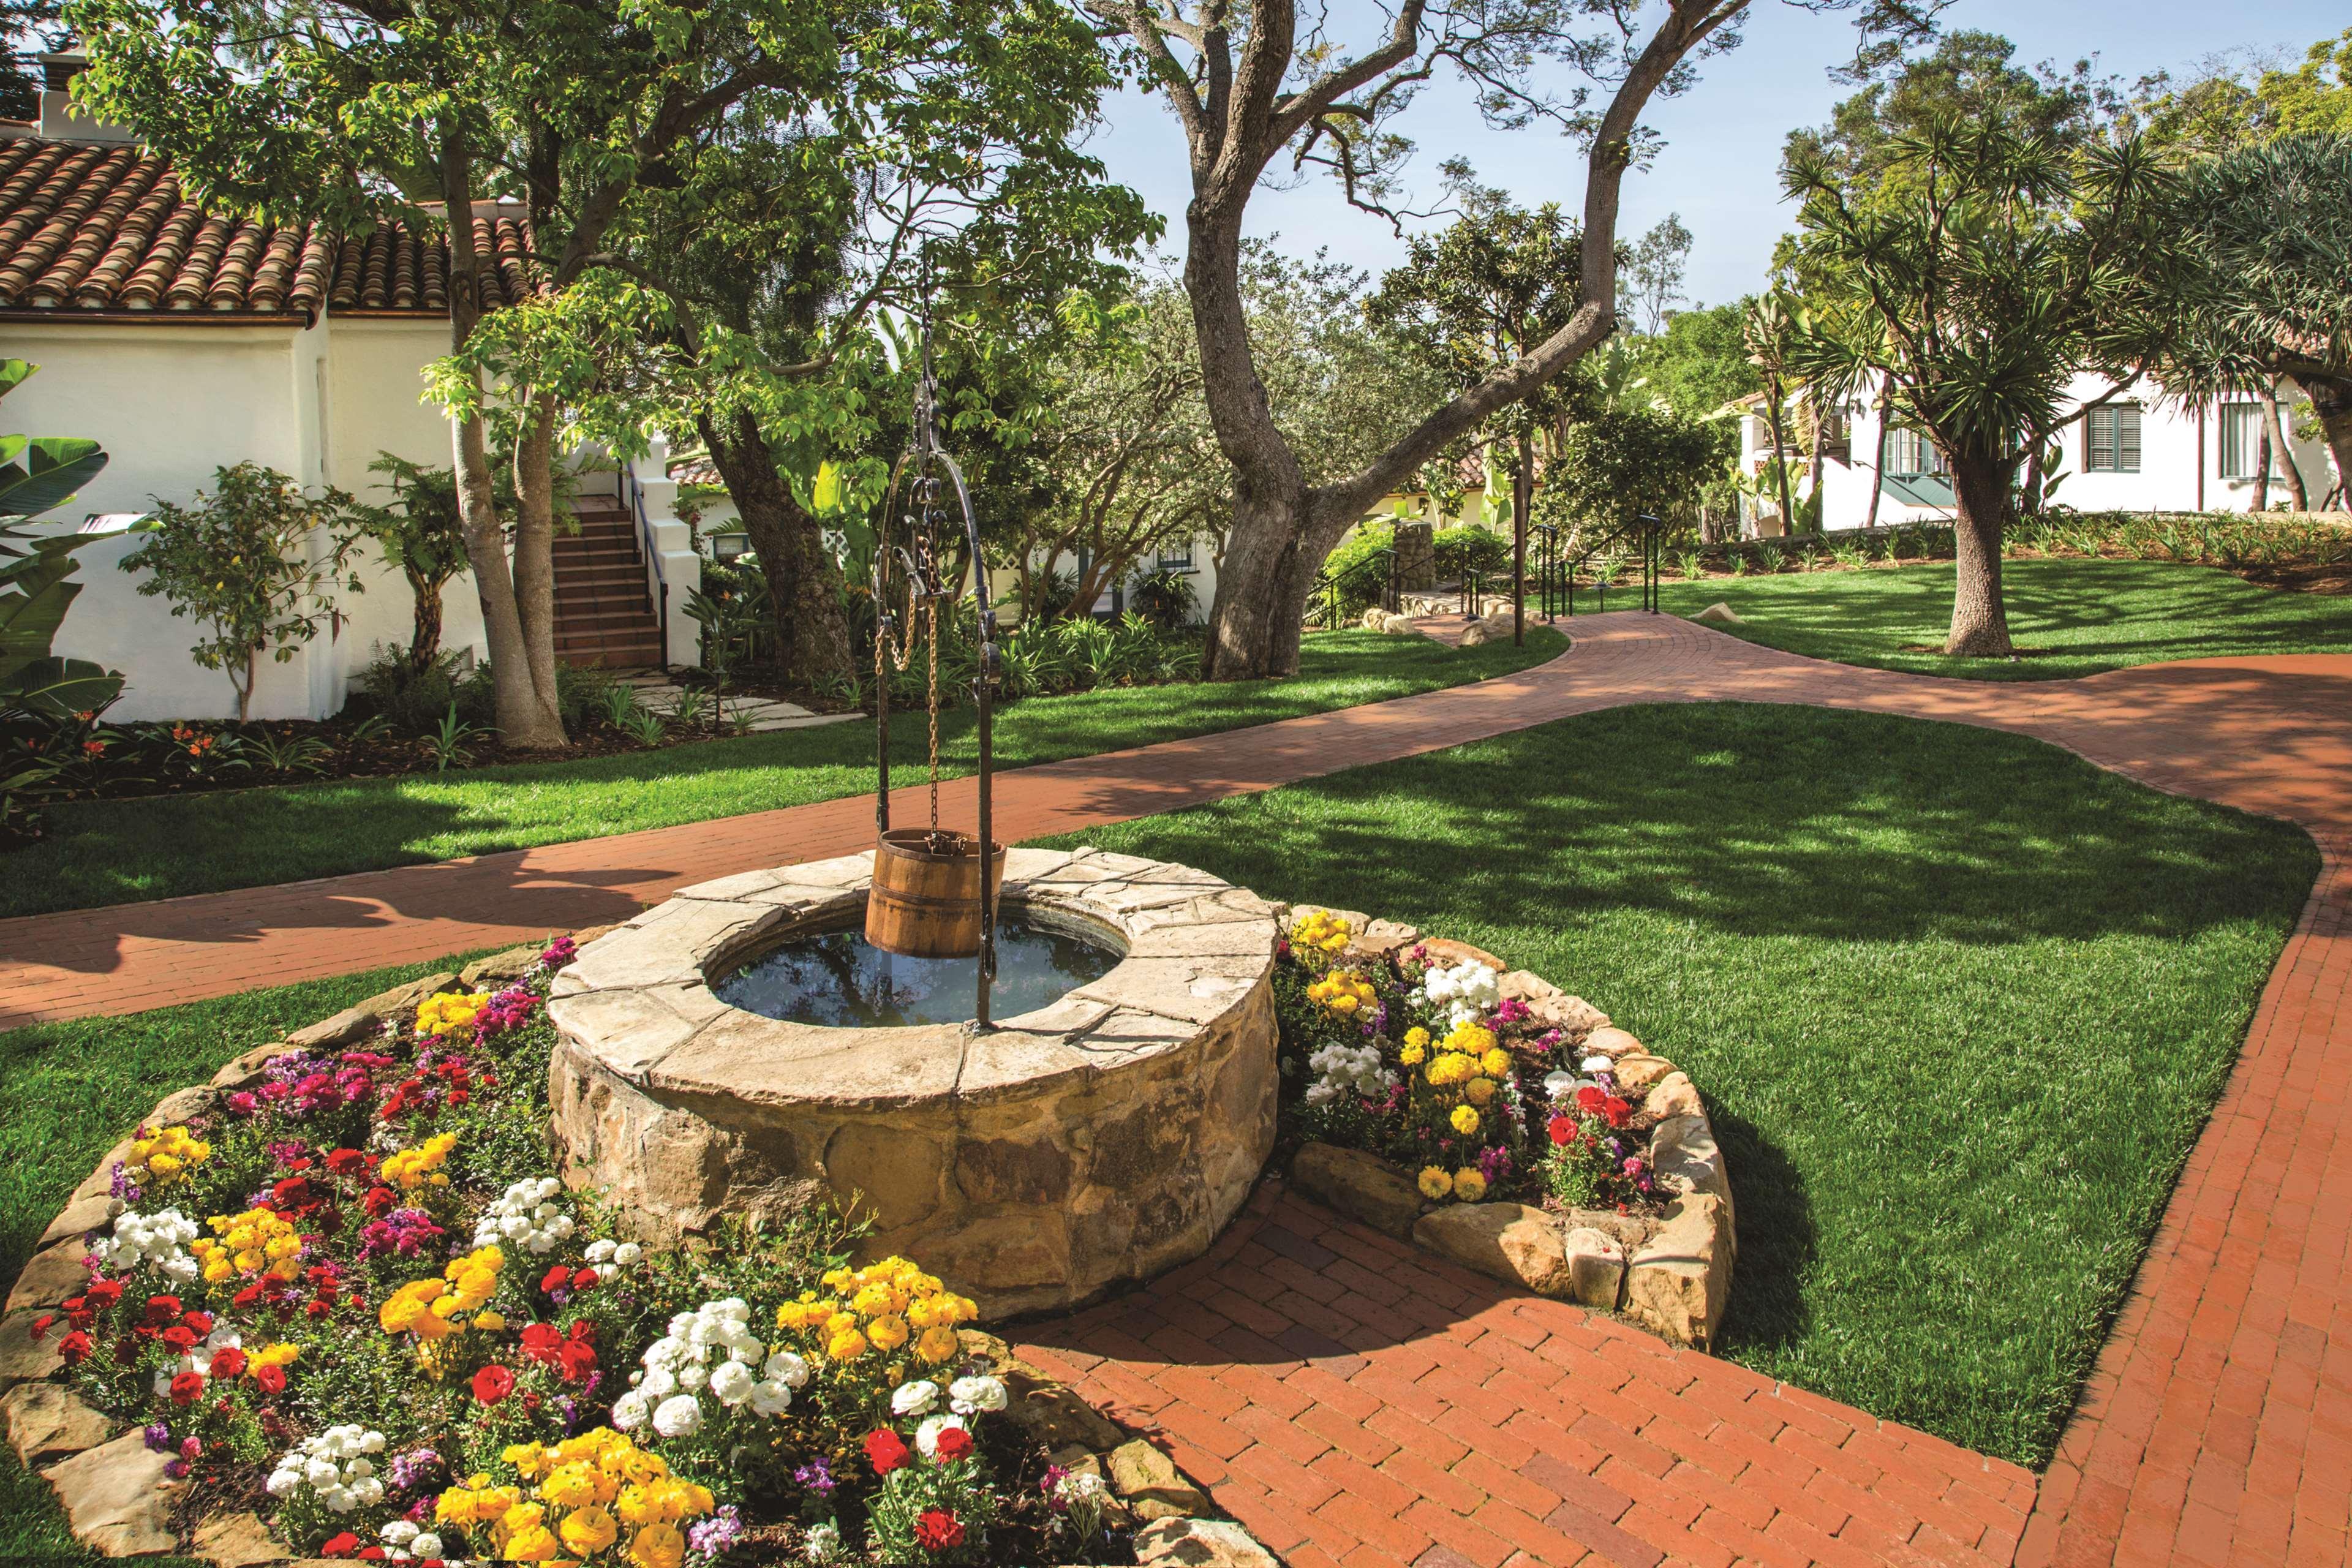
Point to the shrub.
(1463, 552)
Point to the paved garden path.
(1353, 1401)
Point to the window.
(727, 546)
(2241, 439)
(2111, 439)
(1911, 452)
(1176, 557)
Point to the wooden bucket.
(925, 903)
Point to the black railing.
(1557, 568)
(1379, 565)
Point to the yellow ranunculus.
(888, 1333)
(1479, 1090)
(589, 1529)
(1465, 1119)
(847, 1345)
(1435, 1183)
(657, 1546)
(937, 1345)
(1496, 1061)
(536, 1544)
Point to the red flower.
(1616, 1111)
(555, 1279)
(884, 1450)
(577, 1359)
(272, 1379)
(954, 1443)
(492, 1384)
(1562, 1128)
(104, 1292)
(41, 1326)
(458, 1096)
(318, 1308)
(162, 1310)
(200, 1322)
(583, 1279)
(228, 1362)
(74, 1348)
(180, 1337)
(126, 1350)
(543, 1342)
(380, 1202)
(248, 1296)
(1589, 1099)
(937, 1530)
(372, 1554)
(188, 1388)
(345, 1161)
(342, 1546)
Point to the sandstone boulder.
(1596, 1269)
(1476, 635)
(500, 968)
(238, 1540)
(1676, 1284)
(1053, 1417)
(1444, 951)
(1200, 1544)
(22, 1357)
(1636, 1073)
(1361, 1186)
(1509, 1241)
(1673, 1095)
(1609, 1041)
(116, 1499)
(1380, 938)
(1683, 1153)
(1719, 613)
(48, 1421)
(1401, 627)
(81, 1217)
(1148, 1482)
(52, 1276)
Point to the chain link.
(933, 607)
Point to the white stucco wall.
(171, 402)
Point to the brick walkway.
(1354, 1402)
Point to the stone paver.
(1356, 1402)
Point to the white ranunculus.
(339, 1499)
(659, 1382)
(824, 1542)
(359, 1470)
(787, 1368)
(630, 1411)
(693, 1377)
(771, 1398)
(600, 1251)
(321, 1471)
(627, 1254)
(969, 1396)
(732, 1383)
(1559, 1085)
(917, 1398)
(399, 1532)
(425, 1544)
(679, 1417)
(280, 1482)
(1597, 1064)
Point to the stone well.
(1106, 1137)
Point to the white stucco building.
(184, 341)
(2142, 452)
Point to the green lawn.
(105, 852)
(2070, 617)
(1959, 1001)
(73, 1091)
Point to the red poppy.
(1562, 1128)
(555, 1279)
(74, 1348)
(380, 1202)
(272, 1378)
(458, 1096)
(884, 1450)
(188, 1388)
(1616, 1111)
(162, 1310)
(126, 1350)
(248, 1296)
(228, 1362)
(372, 1554)
(492, 1384)
(200, 1323)
(937, 1530)
(543, 1342)
(584, 1279)
(342, 1546)
(583, 1330)
(954, 1443)
(318, 1308)
(180, 1337)
(104, 1292)
(41, 1326)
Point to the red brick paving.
(1354, 1402)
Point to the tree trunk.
(1979, 622)
(424, 624)
(1522, 484)
(2274, 433)
(478, 513)
(2262, 470)
(1778, 460)
(534, 568)
(2331, 399)
(245, 692)
(805, 586)
(1878, 461)
(1814, 470)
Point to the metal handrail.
(1326, 584)
(652, 555)
(1646, 530)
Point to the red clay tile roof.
(107, 228)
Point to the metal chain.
(933, 607)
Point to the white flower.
(280, 1482)
(627, 1254)
(399, 1532)
(1597, 1064)
(927, 1436)
(339, 1499)
(360, 1467)
(425, 1544)
(527, 1216)
(631, 1411)
(600, 1250)
(332, 1465)
(732, 1383)
(322, 1472)
(693, 1377)
(969, 1396)
(787, 1368)
(917, 1398)
(159, 1241)
(1347, 1070)
(824, 1542)
(1079, 1486)
(679, 1417)
(771, 1398)
(1559, 1085)
(658, 1383)
(1464, 993)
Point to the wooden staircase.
(605, 614)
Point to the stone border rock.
(1106, 1137)
(119, 1503)
(1673, 1275)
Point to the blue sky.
(1719, 167)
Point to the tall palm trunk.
(1878, 462)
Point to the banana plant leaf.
(55, 468)
(54, 688)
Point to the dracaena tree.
(1984, 268)
(1272, 87)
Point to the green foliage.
(37, 475)
(236, 562)
(1464, 552)
(1165, 597)
(420, 533)
(1621, 461)
(1699, 363)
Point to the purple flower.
(414, 1469)
(158, 1437)
(286, 1153)
(560, 952)
(714, 1535)
(1494, 1164)
(120, 1185)
(175, 1469)
(816, 1476)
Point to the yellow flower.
(417, 1167)
(1496, 1061)
(1465, 1119)
(449, 1010)
(588, 1530)
(1479, 1090)
(937, 1345)
(493, 1321)
(536, 1544)
(166, 1154)
(888, 1333)
(847, 1345)
(1435, 1183)
(1468, 1185)
(1417, 1037)
(657, 1546)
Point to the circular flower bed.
(1488, 1115)
(342, 1292)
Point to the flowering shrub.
(1430, 1065)
(367, 1302)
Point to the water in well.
(840, 979)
